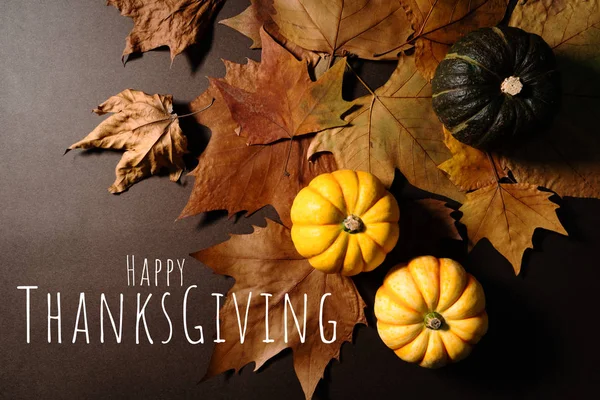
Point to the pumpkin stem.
(353, 224)
(511, 85)
(434, 321)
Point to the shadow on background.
(197, 135)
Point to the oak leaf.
(393, 127)
(285, 103)
(335, 27)
(438, 24)
(507, 215)
(233, 176)
(143, 125)
(469, 168)
(267, 262)
(566, 159)
(174, 23)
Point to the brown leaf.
(286, 102)
(438, 24)
(257, 16)
(508, 214)
(267, 262)
(469, 168)
(394, 127)
(233, 176)
(423, 224)
(250, 21)
(566, 159)
(174, 23)
(144, 127)
(335, 27)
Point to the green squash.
(496, 86)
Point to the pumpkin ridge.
(455, 89)
(357, 268)
(418, 332)
(499, 32)
(528, 79)
(458, 331)
(414, 283)
(464, 353)
(315, 192)
(420, 289)
(454, 56)
(486, 136)
(462, 289)
(380, 194)
(431, 344)
(475, 286)
(349, 207)
(380, 247)
(449, 306)
(342, 251)
(319, 227)
(373, 205)
(489, 47)
(424, 332)
(463, 125)
(391, 293)
(338, 186)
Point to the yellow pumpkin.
(345, 222)
(430, 311)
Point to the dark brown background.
(62, 230)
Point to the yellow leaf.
(469, 168)
(507, 215)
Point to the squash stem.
(511, 85)
(434, 321)
(353, 224)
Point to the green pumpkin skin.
(467, 95)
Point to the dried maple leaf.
(257, 16)
(233, 176)
(508, 214)
(440, 23)
(566, 159)
(173, 23)
(250, 21)
(393, 127)
(144, 127)
(286, 102)
(335, 27)
(469, 168)
(267, 262)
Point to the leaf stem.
(331, 59)
(359, 78)
(287, 159)
(493, 164)
(196, 112)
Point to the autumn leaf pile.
(274, 128)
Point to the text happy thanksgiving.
(141, 274)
